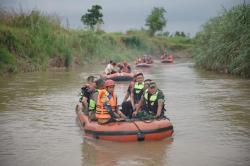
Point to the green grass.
(34, 41)
(224, 43)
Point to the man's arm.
(132, 98)
(126, 96)
(159, 108)
(138, 108)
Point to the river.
(210, 114)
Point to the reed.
(224, 43)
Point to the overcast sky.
(121, 15)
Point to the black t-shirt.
(86, 92)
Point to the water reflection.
(104, 153)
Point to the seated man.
(126, 68)
(93, 99)
(163, 56)
(152, 102)
(106, 108)
(109, 68)
(127, 108)
(86, 91)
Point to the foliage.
(224, 43)
(33, 41)
(156, 20)
(7, 61)
(182, 34)
(33, 38)
(93, 17)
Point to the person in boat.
(139, 60)
(119, 67)
(86, 91)
(134, 91)
(164, 56)
(137, 90)
(110, 68)
(152, 102)
(126, 68)
(144, 59)
(129, 89)
(149, 60)
(127, 108)
(93, 99)
(146, 84)
(106, 106)
(171, 57)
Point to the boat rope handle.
(140, 134)
(137, 126)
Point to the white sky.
(122, 15)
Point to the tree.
(180, 34)
(156, 20)
(93, 18)
(177, 33)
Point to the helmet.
(109, 83)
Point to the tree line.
(155, 21)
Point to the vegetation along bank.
(33, 41)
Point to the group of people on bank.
(114, 67)
(99, 101)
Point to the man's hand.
(157, 116)
(136, 106)
(134, 114)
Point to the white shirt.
(109, 69)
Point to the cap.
(152, 84)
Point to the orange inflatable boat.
(143, 65)
(169, 59)
(130, 130)
(119, 76)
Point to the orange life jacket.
(101, 112)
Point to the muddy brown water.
(210, 113)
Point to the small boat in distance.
(119, 76)
(168, 59)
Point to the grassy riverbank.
(224, 43)
(34, 41)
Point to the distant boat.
(119, 76)
(143, 65)
(169, 59)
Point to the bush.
(224, 43)
(33, 41)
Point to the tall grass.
(32, 37)
(224, 43)
(33, 41)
